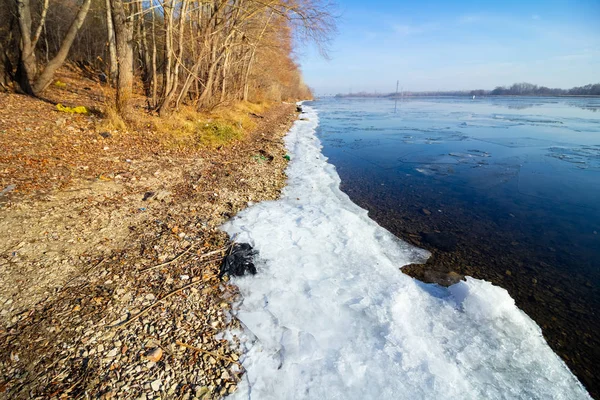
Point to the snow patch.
(330, 316)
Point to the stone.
(172, 389)
(444, 241)
(113, 352)
(156, 385)
(154, 354)
(201, 391)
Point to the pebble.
(201, 391)
(154, 354)
(113, 352)
(172, 389)
(156, 385)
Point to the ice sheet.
(330, 316)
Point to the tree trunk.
(224, 75)
(5, 68)
(164, 108)
(210, 77)
(46, 76)
(124, 43)
(26, 68)
(42, 24)
(145, 54)
(154, 76)
(112, 49)
(191, 78)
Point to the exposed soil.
(84, 212)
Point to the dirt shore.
(110, 254)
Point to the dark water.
(506, 190)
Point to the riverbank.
(111, 248)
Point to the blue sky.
(462, 44)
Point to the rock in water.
(444, 241)
(239, 261)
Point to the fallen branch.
(190, 247)
(84, 272)
(181, 255)
(151, 306)
(210, 353)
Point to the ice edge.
(330, 316)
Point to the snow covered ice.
(330, 316)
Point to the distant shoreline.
(368, 96)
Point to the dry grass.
(184, 130)
(190, 129)
(112, 121)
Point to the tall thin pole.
(396, 98)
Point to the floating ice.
(473, 156)
(330, 316)
(588, 156)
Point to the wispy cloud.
(536, 17)
(408, 30)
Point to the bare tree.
(5, 69)
(123, 24)
(28, 79)
(112, 48)
(200, 53)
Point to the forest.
(528, 89)
(516, 89)
(195, 52)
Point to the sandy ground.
(83, 216)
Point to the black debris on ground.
(239, 261)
